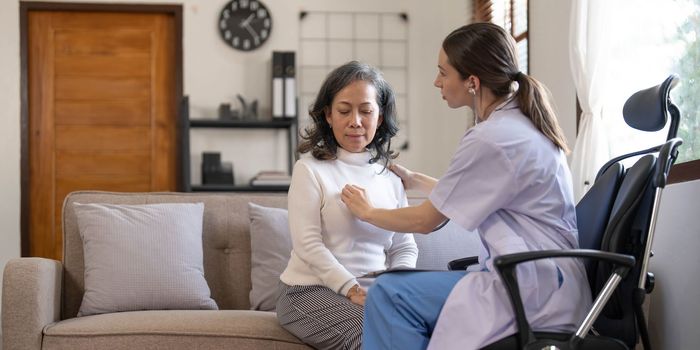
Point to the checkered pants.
(320, 317)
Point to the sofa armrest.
(31, 299)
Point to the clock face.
(245, 24)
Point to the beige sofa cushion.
(194, 329)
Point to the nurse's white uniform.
(512, 184)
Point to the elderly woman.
(320, 299)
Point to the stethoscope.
(476, 121)
(442, 224)
(498, 108)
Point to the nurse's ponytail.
(487, 51)
(534, 98)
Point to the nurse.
(509, 180)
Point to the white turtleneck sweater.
(330, 246)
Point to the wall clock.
(245, 24)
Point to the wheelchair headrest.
(647, 109)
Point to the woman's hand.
(407, 176)
(357, 295)
(356, 200)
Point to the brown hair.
(319, 139)
(488, 52)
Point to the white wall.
(549, 58)
(435, 129)
(9, 133)
(674, 308)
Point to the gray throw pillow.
(451, 242)
(142, 257)
(270, 249)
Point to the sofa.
(41, 297)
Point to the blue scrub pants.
(402, 308)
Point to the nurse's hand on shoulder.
(407, 176)
(357, 295)
(356, 200)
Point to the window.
(511, 15)
(655, 39)
(687, 96)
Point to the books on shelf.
(277, 84)
(284, 94)
(290, 93)
(271, 178)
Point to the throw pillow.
(142, 257)
(270, 249)
(450, 242)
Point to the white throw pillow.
(270, 250)
(142, 257)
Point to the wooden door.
(101, 111)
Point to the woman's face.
(453, 88)
(354, 116)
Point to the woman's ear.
(477, 83)
(381, 119)
(472, 82)
(327, 113)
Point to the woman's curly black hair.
(318, 138)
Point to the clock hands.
(246, 24)
(252, 32)
(246, 21)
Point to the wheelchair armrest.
(463, 263)
(506, 265)
(510, 260)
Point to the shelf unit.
(186, 124)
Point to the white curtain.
(589, 43)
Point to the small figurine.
(248, 111)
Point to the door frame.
(24, 8)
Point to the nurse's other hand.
(356, 200)
(405, 175)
